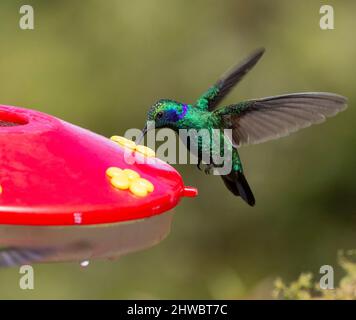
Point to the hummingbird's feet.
(199, 165)
(209, 168)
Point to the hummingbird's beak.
(143, 133)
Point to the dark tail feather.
(238, 185)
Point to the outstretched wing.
(260, 120)
(211, 98)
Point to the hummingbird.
(251, 122)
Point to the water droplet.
(84, 263)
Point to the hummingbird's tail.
(238, 185)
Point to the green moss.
(304, 288)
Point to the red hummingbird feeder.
(59, 203)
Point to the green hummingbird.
(253, 121)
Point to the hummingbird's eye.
(159, 115)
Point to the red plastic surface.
(53, 173)
(190, 192)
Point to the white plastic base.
(80, 243)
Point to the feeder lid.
(54, 173)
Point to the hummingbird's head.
(165, 114)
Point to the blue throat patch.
(174, 116)
(184, 112)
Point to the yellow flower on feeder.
(129, 179)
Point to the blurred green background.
(101, 64)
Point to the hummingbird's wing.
(215, 94)
(260, 120)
